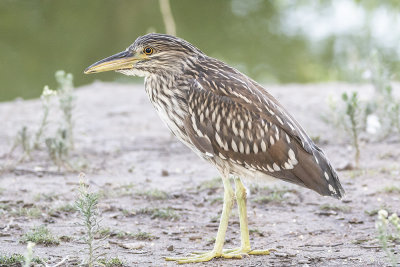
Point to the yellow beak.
(121, 61)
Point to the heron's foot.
(204, 256)
(236, 252)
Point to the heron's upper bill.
(121, 61)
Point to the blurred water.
(272, 41)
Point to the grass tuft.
(113, 262)
(162, 213)
(388, 228)
(154, 194)
(40, 235)
(392, 189)
(345, 209)
(212, 184)
(264, 195)
(33, 212)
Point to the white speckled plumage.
(229, 119)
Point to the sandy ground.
(126, 151)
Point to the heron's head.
(150, 54)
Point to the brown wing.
(241, 89)
(247, 135)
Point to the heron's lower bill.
(120, 61)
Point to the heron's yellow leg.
(245, 248)
(223, 225)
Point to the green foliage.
(138, 236)
(15, 259)
(348, 116)
(61, 143)
(213, 184)
(33, 212)
(45, 98)
(388, 228)
(384, 104)
(67, 100)
(392, 189)
(267, 194)
(274, 196)
(352, 121)
(345, 209)
(86, 204)
(113, 262)
(162, 213)
(40, 235)
(375, 118)
(154, 194)
(58, 148)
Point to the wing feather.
(251, 129)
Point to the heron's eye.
(148, 50)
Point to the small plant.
(265, 195)
(275, 196)
(24, 138)
(86, 204)
(67, 102)
(62, 142)
(17, 260)
(58, 148)
(11, 260)
(388, 228)
(45, 98)
(113, 262)
(353, 112)
(392, 189)
(344, 209)
(33, 212)
(162, 213)
(154, 194)
(40, 235)
(384, 104)
(212, 184)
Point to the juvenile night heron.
(229, 120)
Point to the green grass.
(105, 232)
(217, 200)
(45, 197)
(388, 230)
(335, 208)
(40, 235)
(138, 236)
(276, 196)
(87, 206)
(66, 208)
(16, 260)
(33, 212)
(162, 213)
(154, 194)
(256, 231)
(113, 262)
(265, 194)
(212, 184)
(391, 189)
(5, 207)
(118, 191)
(11, 260)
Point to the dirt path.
(151, 183)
